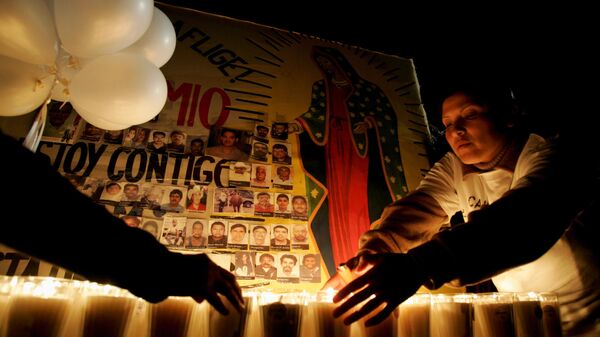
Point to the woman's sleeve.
(414, 219)
(517, 228)
(405, 224)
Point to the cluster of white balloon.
(103, 56)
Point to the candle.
(550, 314)
(413, 316)
(326, 325)
(231, 325)
(451, 315)
(281, 313)
(528, 315)
(38, 306)
(493, 315)
(107, 311)
(253, 326)
(5, 290)
(170, 318)
(281, 320)
(36, 316)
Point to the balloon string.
(39, 82)
(71, 62)
(32, 140)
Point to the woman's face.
(469, 131)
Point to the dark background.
(541, 51)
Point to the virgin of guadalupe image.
(349, 145)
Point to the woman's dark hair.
(490, 90)
(498, 97)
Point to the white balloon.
(67, 66)
(97, 27)
(121, 88)
(23, 86)
(27, 31)
(158, 43)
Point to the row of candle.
(49, 307)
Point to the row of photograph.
(191, 233)
(263, 143)
(243, 174)
(162, 199)
(280, 266)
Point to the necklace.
(339, 83)
(494, 162)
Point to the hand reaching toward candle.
(391, 279)
(221, 281)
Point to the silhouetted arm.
(60, 225)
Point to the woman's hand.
(390, 280)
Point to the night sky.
(541, 52)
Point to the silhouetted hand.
(390, 280)
(221, 281)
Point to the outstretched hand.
(391, 279)
(221, 281)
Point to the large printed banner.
(274, 151)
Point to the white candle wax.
(36, 316)
(326, 325)
(170, 318)
(492, 316)
(107, 315)
(451, 316)
(528, 318)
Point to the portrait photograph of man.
(227, 144)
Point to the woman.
(243, 265)
(525, 202)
